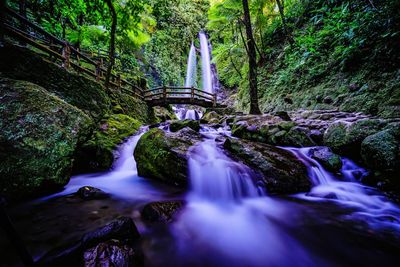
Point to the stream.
(228, 219)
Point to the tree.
(251, 53)
(112, 41)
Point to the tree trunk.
(283, 18)
(251, 51)
(112, 41)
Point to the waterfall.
(191, 75)
(205, 63)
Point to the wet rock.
(381, 151)
(298, 137)
(162, 155)
(39, 136)
(122, 229)
(326, 158)
(89, 193)
(110, 253)
(178, 125)
(162, 211)
(211, 117)
(281, 171)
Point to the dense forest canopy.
(293, 38)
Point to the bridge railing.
(170, 93)
(61, 52)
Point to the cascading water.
(191, 69)
(121, 181)
(366, 200)
(228, 220)
(205, 63)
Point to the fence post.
(79, 59)
(165, 93)
(192, 93)
(66, 53)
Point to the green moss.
(381, 151)
(178, 125)
(39, 134)
(162, 157)
(97, 153)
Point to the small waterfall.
(191, 69)
(224, 179)
(348, 191)
(205, 63)
(192, 114)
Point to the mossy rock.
(381, 151)
(298, 137)
(280, 170)
(346, 138)
(178, 125)
(97, 153)
(163, 156)
(39, 135)
(329, 160)
(211, 117)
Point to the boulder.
(280, 170)
(39, 136)
(161, 211)
(381, 151)
(328, 100)
(326, 158)
(89, 193)
(110, 253)
(163, 155)
(346, 137)
(283, 115)
(211, 117)
(298, 137)
(118, 238)
(178, 125)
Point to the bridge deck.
(179, 95)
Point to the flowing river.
(230, 221)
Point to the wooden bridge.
(166, 95)
(58, 51)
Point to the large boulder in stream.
(163, 155)
(178, 125)
(280, 170)
(38, 138)
(324, 155)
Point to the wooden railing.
(62, 52)
(179, 95)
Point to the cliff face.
(50, 116)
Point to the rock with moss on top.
(163, 155)
(39, 136)
(280, 170)
(178, 125)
